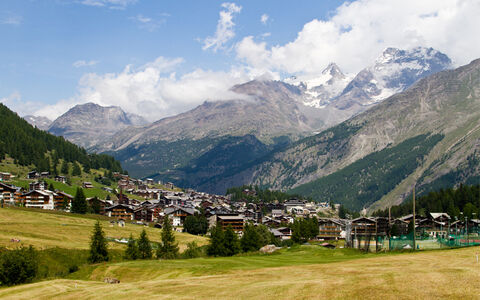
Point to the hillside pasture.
(47, 229)
(308, 272)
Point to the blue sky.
(151, 56)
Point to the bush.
(18, 266)
(192, 251)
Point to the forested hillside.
(368, 179)
(465, 199)
(28, 145)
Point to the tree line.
(454, 201)
(260, 195)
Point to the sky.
(158, 58)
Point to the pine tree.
(64, 168)
(168, 248)
(95, 205)
(217, 242)
(144, 247)
(79, 203)
(232, 245)
(98, 245)
(51, 187)
(132, 249)
(77, 171)
(250, 240)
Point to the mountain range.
(302, 132)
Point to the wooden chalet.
(282, 233)
(87, 185)
(178, 214)
(435, 225)
(37, 185)
(235, 220)
(144, 213)
(370, 227)
(120, 212)
(33, 175)
(63, 200)
(5, 176)
(401, 225)
(61, 179)
(102, 203)
(7, 194)
(43, 199)
(330, 229)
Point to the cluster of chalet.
(178, 205)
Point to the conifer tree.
(217, 242)
(250, 240)
(79, 203)
(132, 249)
(168, 248)
(64, 168)
(77, 171)
(144, 247)
(98, 245)
(232, 245)
(96, 205)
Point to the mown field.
(303, 272)
(44, 229)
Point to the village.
(434, 230)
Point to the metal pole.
(414, 242)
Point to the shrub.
(18, 266)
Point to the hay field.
(442, 274)
(49, 229)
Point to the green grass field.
(44, 229)
(303, 272)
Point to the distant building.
(61, 179)
(87, 185)
(40, 199)
(5, 176)
(7, 194)
(37, 185)
(234, 220)
(120, 212)
(330, 229)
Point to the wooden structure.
(330, 229)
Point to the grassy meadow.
(303, 272)
(300, 272)
(44, 229)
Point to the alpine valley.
(361, 140)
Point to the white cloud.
(11, 19)
(152, 90)
(149, 23)
(15, 102)
(358, 32)
(112, 4)
(225, 26)
(83, 63)
(264, 19)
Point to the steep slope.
(42, 123)
(320, 90)
(446, 103)
(87, 124)
(393, 72)
(31, 146)
(268, 110)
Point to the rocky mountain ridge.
(88, 124)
